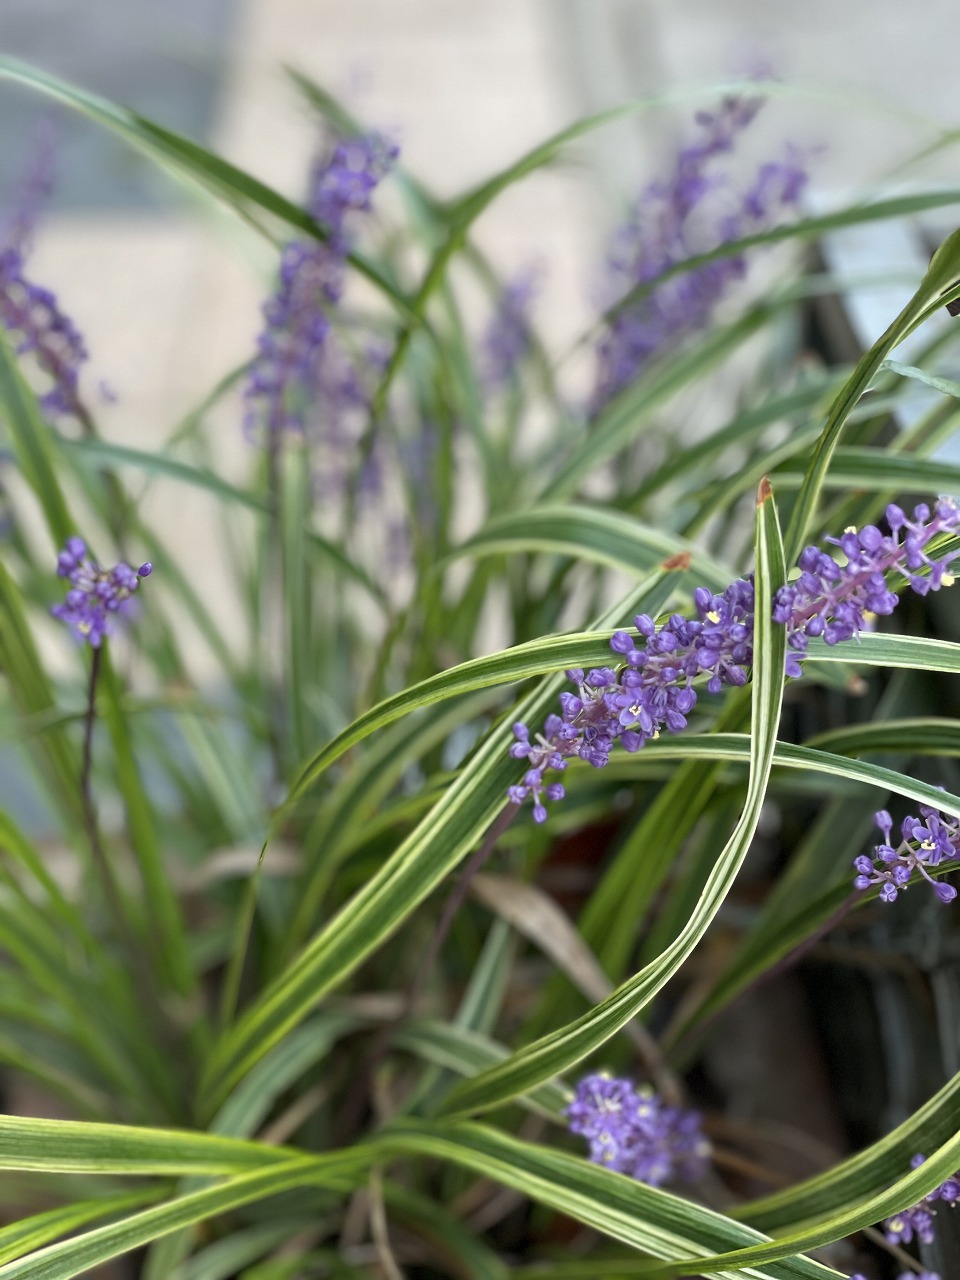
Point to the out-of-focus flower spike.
(297, 365)
(693, 211)
(30, 313)
(507, 339)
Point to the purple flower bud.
(645, 625)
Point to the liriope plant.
(260, 981)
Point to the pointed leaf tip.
(764, 492)
(680, 561)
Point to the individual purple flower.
(918, 1221)
(31, 313)
(507, 338)
(633, 1131)
(926, 843)
(96, 595)
(298, 366)
(653, 686)
(693, 211)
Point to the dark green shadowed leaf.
(864, 1175)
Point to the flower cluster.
(653, 687)
(692, 212)
(298, 367)
(507, 338)
(96, 595)
(924, 844)
(918, 1220)
(652, 691)
(633, 1131)
(832, 600)
(31, 313)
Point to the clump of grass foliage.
(293, 985)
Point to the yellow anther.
(851, 528)
(947, 580)
(713, 616)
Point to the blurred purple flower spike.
(30, 313)
(507, 339)
(297, 365)
(675, 220)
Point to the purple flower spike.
(693, 211)
(35, 188)
(832, 600)
(96, 595)
(507, 339)
(652, 690)
(298, 366)
(633, 1131)
(927, 842)
(31, 313)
